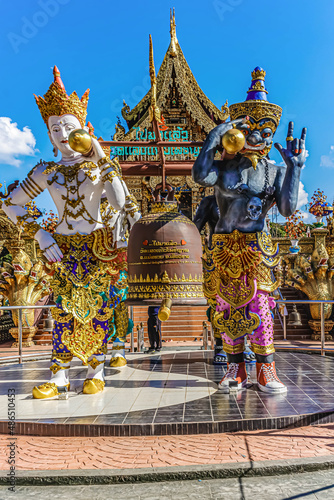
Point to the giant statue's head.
(263, 118)
(62, 113)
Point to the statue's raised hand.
(295, 153)
(97, 151)
(217, 133)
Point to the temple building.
(187, 114)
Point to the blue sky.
(106, 50)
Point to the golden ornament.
(165, 309)
(118, 362)
(233, 141)
(80, 141)
(46, 391)
(93, 386)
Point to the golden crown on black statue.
(256, 105)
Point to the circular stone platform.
(170, 393)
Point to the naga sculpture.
(23, 283)
(314, 276)
(238, 265)
(87, 258)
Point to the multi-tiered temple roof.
(179, 97)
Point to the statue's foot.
(267, 379)
(118, 361)
(47, 390)
(93, 386)
(234, 379)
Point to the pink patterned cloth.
(263, 336)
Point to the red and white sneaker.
(267, 379)
(234, 379)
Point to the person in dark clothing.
(154, 328)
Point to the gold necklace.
(70, 174)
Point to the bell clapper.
(165, 309)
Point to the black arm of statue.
(205, 168)
(287, 187)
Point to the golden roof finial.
(152, 67)
(173, 38)
(154, 110)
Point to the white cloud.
(15, 142)
(307, 217)
(328, 160)
(302, 196)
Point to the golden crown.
(258, 110)
(258, 74)
(56, 102)
(256, 105)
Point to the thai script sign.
(152, 151)
(167, 135)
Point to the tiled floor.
(175, 387)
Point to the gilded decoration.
(162, 291)
(232, 256)
(235, 268)
(236, 322)
(314, 274)
(238, 255)
(87, 284)
(165, 217)
(196, 102)
(264, 350)
(185, 108)
(165, 287)
(238, 292)
(68, 177)
(233, 349)
(256, 109)
(56, 102)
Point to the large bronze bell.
(165, 260)
(294, 317)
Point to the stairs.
(41, 337)
(185, 322)
(302, 332)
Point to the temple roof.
(175, 67)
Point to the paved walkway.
(306, 486)
(46, 453)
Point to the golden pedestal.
(315, 325)
(28, 334)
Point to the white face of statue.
(60, 128)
